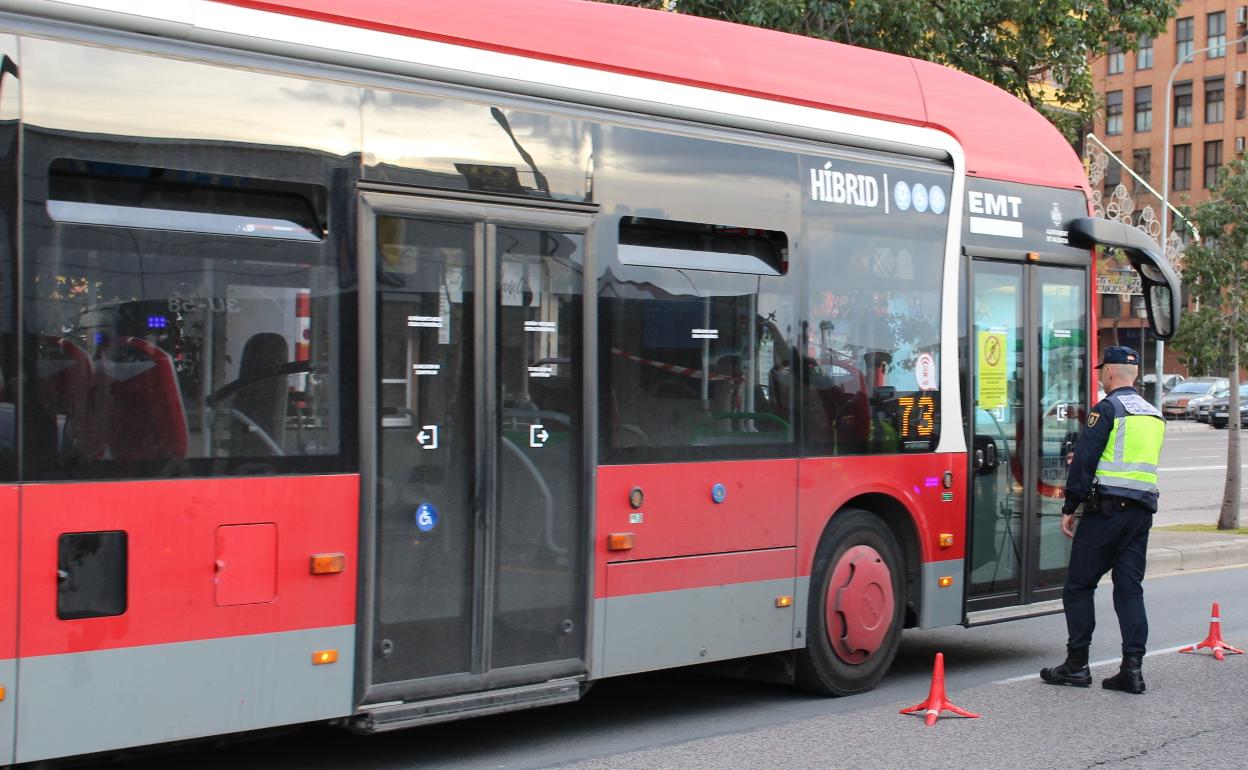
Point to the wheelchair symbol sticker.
(426, 517)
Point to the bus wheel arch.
(862, 589)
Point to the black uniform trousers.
(1117, 539)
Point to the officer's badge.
(1092, 418)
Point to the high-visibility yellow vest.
(1128, 465)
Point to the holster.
(1092, 504)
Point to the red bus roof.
(1002, 136)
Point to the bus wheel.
(855, 608)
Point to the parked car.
(1168, 382)
(1198, 408)
(1174, 403)
(1219, 412)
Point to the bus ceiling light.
(328, 563)
(1, 692)
(946, 539)
(945, 581)
(636, 497)
(1033, 256)
(784, 601)
(620, 541)
(321, 657)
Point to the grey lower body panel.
(646, 632)
(8, 709)
(110, 699)
(942, 606)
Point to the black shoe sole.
(1071, 682)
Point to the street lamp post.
(1165, 186)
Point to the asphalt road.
(1192, 473)
(1193, 715)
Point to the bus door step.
(1016, 612)
(397, 716)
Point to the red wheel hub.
(859, 609)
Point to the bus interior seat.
(64, 375)
(261, 396)
(146, 418)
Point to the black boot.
(1129, 677)
(1073, 672)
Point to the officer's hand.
(1070, 457)
(1068, 524)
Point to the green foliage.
(1014, 44)
(1215, 269)
(1201, 339)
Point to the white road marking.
(1094, 664)
(1197, 468)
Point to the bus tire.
(855, 608)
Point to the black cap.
(1116, 354)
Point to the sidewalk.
(1170, 552)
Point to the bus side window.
(691, 323)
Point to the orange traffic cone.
(1214, 640)
(937, 701)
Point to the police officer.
(1113, 474)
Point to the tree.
(1216, 273)
(1018, 45)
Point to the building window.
(1184, 36)
(1215, 104)
(1111, 306)
(1213, 163)
(1113, 113)
(1183, 104)
(1141, 163)
(1144, 54)
(1215, 25)
(1144, 108)
(1117, 59)
(1113, 175)
(1182, 172)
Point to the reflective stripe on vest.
(1131, 454)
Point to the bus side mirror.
(1160, 282)
(1159, 301)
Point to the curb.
(1198, 556)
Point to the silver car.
(1174, 404)
(1198, 407)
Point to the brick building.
(1208, 127)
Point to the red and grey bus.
(389, 363)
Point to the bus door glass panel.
(426, 529)
(997, 335)
(539, 544)
(1061, 341)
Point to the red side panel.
(916, 481)
(9, 498)
(246, 564)
(647, 577)
(679, 515)
(172, 528)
